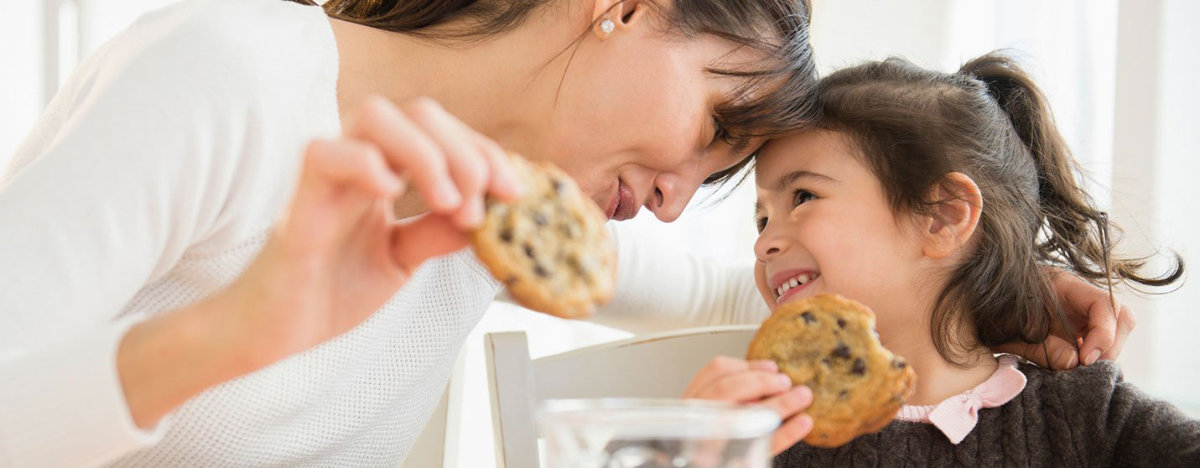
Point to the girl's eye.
(762, 224)
(802, 196)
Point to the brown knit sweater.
(1084, 417)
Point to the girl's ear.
(957, 203)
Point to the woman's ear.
(957, 203)
(611, 14)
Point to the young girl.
(938, 200)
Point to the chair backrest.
(653, 366)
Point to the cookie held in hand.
(550, 248)
(828, 343)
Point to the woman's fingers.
(1093, 313)
(468, 165)
(351, 163)
(409, 150)
(337, 180)
(428, 236)
(1056, 353)
(1086, 303)
(504, 183)
(1126, 321)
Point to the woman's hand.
(759, 382)
(335, 257)
(1096, 318)
(338, 254)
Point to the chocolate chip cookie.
(829, 343)
(550, 248)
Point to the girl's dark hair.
(785, 84)
(989, 121)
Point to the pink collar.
(956, 416)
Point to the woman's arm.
(660, 287)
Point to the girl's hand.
(1096, 318)
(759, 382)
(338, 254)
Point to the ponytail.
(1075, 234)
(989, 121)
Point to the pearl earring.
(607, 26)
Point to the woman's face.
(633, 122)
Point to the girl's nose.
(768, 244)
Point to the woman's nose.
(671, 195)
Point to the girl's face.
(826, 227)
(633, 121)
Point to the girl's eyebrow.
(790, 178)
(786, 180)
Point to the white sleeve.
(660, 287)
(116, 181)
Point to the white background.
(1120, 74)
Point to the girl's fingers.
(791, 432)
(408, 150)
(717, 368)
(789, 403)
(746, 386)
(726, 378)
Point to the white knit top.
(152, 181)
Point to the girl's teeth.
(797, 281)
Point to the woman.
(182, 288)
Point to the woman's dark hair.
(990, 122)
(778, 97)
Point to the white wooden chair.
(653, 366)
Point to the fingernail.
(785, 380)
(771, 365)
(1092, 357)
(448, 196)
(1066, 358)
(393, 185)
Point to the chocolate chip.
(899, 364)
(841, 351)
(841, 323)
(559, 186)
(506, 236)
(825, 361)
(528, 250)
(859, 368)
(540, 271)
(539, 219)
(843, 394)
(808, 317)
